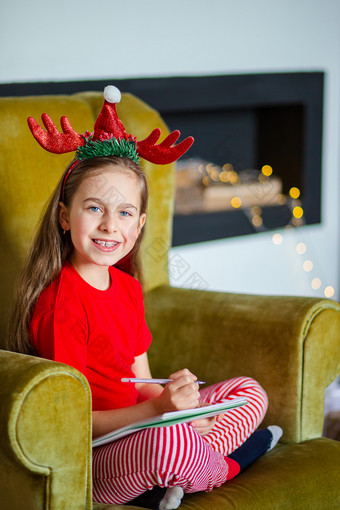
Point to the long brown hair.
(50, 247)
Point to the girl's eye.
(94, 208)
(125, 213)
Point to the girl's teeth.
(107, 245)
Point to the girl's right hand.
(181, 393)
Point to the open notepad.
(167, 419)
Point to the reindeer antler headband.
(108, 139)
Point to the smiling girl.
(104, 220)
(78, 302)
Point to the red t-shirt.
(98, 332)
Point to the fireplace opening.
(256, 161)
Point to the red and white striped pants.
(178, 455)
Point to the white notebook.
(172, 418)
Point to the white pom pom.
(112, 94)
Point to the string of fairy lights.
(214, 174)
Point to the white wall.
(82, 39)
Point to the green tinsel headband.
(109, 147)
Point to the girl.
(78, 303)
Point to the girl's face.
(104, 219)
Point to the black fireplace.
(244, 121)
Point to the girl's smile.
(105, 244)
(104, 221)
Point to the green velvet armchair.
(291, 345)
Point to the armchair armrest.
(45, 435)
(291, 345)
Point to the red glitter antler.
(165, 152)
(52, 140)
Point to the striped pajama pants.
(178, 455)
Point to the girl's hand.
(181, 393)
(204, 426)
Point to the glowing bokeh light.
(277, 239)
(298, 212)
(294, 192)
(329, 291)
(301, 248)
(236, 202)
(215, 175)
(267, 170)
(316, 283)
(257, 221)
(308, 265)
(228, 167)
(224, 176)
(232, 176)
(256, 210)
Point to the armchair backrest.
(29, 174)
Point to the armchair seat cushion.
(283, 478)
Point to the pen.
(151, 381)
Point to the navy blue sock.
(149, 499)
(255, 446)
